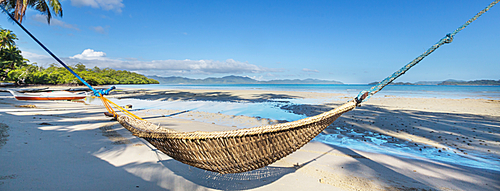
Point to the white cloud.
(34, 56)
(40, 59)
(229, 66)
(43, 19)
(310, 70)
(99, 29)
(89, 54)
(81, 3)
(115, 5)
(93, 58)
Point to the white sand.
(72, 146)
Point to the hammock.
(247, 149)
(235, 150)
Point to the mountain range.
(450, 82)
(236, 80)
(246, 80)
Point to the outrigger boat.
(55, 95)
(4, 84)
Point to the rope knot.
(448, 38)
(361, 97)
(99, 93)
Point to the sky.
(358, 41)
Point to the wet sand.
(71, 145)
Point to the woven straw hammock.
(238, 150)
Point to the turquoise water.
(424, 91)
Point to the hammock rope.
(247, 149)
(366, 94)
(97, 93)
(108, 107)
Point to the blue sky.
(350, 41)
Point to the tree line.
(15, 68)
(54, 75)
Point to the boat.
(5, 84)
(24, 90)
(54, 95)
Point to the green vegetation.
(14, 68)
(10, 55)
(32, 74)
(18, 8)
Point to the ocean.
(423, 91)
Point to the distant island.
(232, 79)
(236, 80)
(472, 83)
(450, 82)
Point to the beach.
(389, 143)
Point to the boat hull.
(49, 98)
(62, 95)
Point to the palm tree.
(18, 7)
(11, 59)
(7, 39)
(10, 55)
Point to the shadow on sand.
(207, 96)
(238, 181)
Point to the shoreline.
(79, 133)
(424, 91)
(421, 91)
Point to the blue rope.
(96, 92)
(366, 94)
